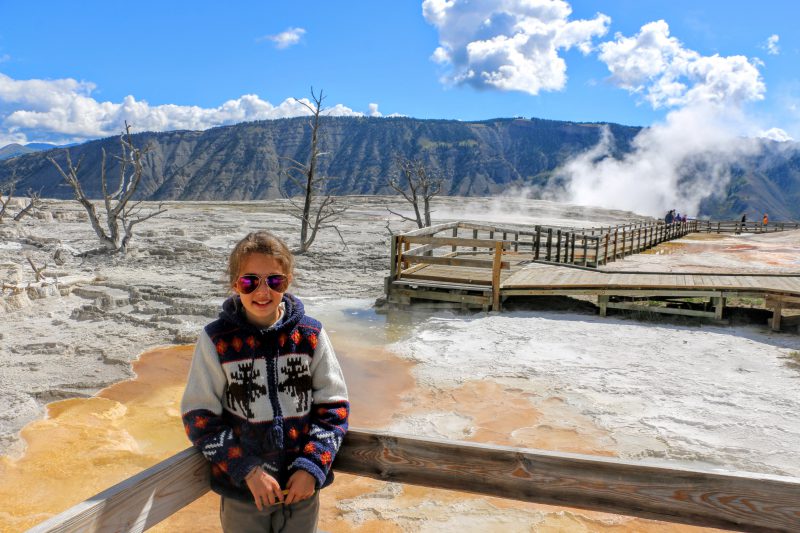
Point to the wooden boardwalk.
(467, 276)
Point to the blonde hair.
(259, 242)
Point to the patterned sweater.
(274, 397)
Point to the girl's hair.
(259, 242)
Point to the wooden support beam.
(630, 306)
(740, 501)
(454, 261)
(393, 261)
(449, 241)
(422, 294)
(775, 323)
(719, 307)
(139, 502)
(602, 303)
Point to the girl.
(265, 401)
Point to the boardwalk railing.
(736, 226)
(468, 265)
(738, 501)
(467, 247)
(588, 247)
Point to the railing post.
(455, 236)
(558, 246)
(585, 251)
(393, 273)
(496, 264)
(616, 234)
(597, 252)
(639, 240)
(549, 243)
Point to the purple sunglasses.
(250, 282)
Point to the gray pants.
(244, 517)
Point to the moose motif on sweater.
(242, 390)
(297, 382)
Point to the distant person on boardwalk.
(765, 220)
(744, 218)
(265, 401)
(669, 217)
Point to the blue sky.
(75, 71)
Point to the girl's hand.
(265, 488)
(300, 486)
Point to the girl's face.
(261, 305)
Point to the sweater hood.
(293, 312)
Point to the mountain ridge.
(474, 158)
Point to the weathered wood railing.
(737, 226)
(461, 244)
(582, 246)
(737, 501)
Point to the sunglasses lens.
(278, 283)
(248, 284)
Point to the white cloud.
(658, 67)
(772, 45)
(510, 45)
(285, 39)
(775, 134)
(687, 158)
(65, 111)
(373, 111)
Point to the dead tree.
(4, 203)
(120, 218)
(39, 272)
(417, 184)
(33, 203)
(319, 209)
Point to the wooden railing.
(585, 246)
(451, 244)
(467, 245)
(736, 226)
(737, 501)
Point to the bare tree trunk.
(117, 210)
(4, 203)
(318, 208)
(310, 175)
(33, 202)
(416, 183)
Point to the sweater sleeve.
(329, 413)
(202, 414)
